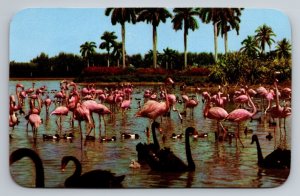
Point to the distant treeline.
(71, 65)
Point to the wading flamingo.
(240, 115)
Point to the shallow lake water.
(218, 164)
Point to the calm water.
(217, 164)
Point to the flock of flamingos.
(83, 103)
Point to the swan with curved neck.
(144, 149)
(166, 161)
(279, 158)
(39, 169)
(91, 179)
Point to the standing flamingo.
(47, 103)
(278, 111)
(35, 121)
(60, 111)
(98, 108)
(215, 113)
(240, 115)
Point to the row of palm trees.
(223, 20)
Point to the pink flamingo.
(99, 109)
(60, 111)
(262, 92)
(269, 97)
(241, 99)
(278, 111)
(215, 113)
(153, 109)
(82, 113)
(47, 103)
(35, 121)
(240, 115)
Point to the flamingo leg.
(104, 126)
(224, 131)
(238, 134)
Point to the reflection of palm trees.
(108, 42)
(264, 36)
(86, 50)
(249, 46)
(154, 16)
(185, 16)
(283, 48)
(122, 15)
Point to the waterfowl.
(91, 179)
(51, 137)
(39, 169)
(177, 136)
(279, 158)
(134, 164)
(130, 136)
(107, 139)
(269, 136)
(166, 161)
(69, 136)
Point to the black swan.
(279, 158)
(166, 161)
(91, 179)
(144, 149)
(39, 169)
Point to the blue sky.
(55, 30)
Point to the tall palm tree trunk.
(226, 42)
(107, 58)
(185, 46)
(154, 47)
(123, 45)
(216, 41)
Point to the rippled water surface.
(218, 164)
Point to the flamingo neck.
(277, 95)
(191, 164)
(252, 105)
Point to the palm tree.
(109, 41)
(283, 48)
(213, 15)
(249, 46)
(117, 51)
(230, 19)
(264, 36)
(154, 16)
(86, 50)
(169, 57)
(185, 16)
(122, 15)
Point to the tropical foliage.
(109, 40)
(251, 63)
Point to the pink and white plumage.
(35, 121)
(153, 109)
(240, 115)
(215, 113)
